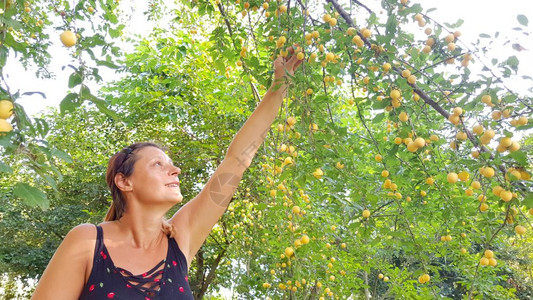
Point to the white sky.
(480, 16)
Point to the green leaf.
(513, 62)
(391, 26)
(106, 64)
(74, 79)
(114, 33)
(5, 168)
(3, 56)
(378, 118)
(61, 155)
(102, 105)
(524, 127)
(32, 196)
(522, 20)
(528, 200)
(69, 103)
(520, 157)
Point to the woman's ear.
(123, 183)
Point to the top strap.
(99, 244)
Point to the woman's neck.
(141, 231)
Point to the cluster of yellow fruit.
(313, 127)
(6, 111)
(396, 98)
(503, 194)
(488, 172)
(429, 43)
(446, 238)
(329, 19)
(332, 79)
(487, 99)
(507, 144)
(411, 79)
(420, 19)
(424, 278)
(304, 240)
(517, 174)
(488, 259)
(413, 146)
(454, 117)
(281, 41)
(318, 173)
(519, 122)
(385, 278)
(243, 51)
(454, 177)
(288, 286)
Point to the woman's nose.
(175, 171)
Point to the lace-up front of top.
(167, 280)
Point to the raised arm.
(195, 220)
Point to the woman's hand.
(285, 65)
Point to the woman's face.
(155, 178)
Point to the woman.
(100, 262)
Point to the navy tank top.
(167, 280)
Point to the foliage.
(353, 147)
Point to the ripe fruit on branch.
(423, 278)
(463, 176)
(519, 229)
(478, 129)
(487, 172)
(289, 251)
(484, 261)
(395, 94)
(6, 109)
(452, 177)
(366, 33)
(403, 117)
(451, 46)
(449, 38)
(506, 195)
(358, 41)
(5, 126)
(304, 239)
(318, 173)
(366, 213)
(68, 38)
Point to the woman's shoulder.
(85, 231)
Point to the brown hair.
(121, 163)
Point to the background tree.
(399, 166)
